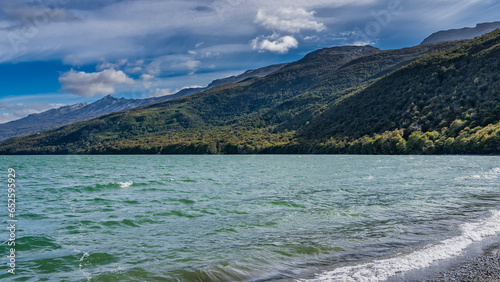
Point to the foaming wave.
(125, 184)
(381, 270)
(494, 173)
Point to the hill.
(463, 33)
(320, 104)
(58, 117)
(444, 103)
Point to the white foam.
(80, 266)
(493, 174)
(381, 270)
(125, 184)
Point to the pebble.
(480, 269)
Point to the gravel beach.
(483, 268)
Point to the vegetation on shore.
(430, 99)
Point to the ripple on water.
(186, 201)
(29, 243)
(59, 264)
(119, 223)
(98, 259)
(100, 187)
(32, 216)
(179, 214)
(224, 219)
(288, 204)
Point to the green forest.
(430, 99)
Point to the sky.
(61, 52)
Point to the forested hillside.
(445, 103)
(424, 99)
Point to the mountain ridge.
(260, 115)
(69, 114)
(462, 33)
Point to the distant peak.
(108, 97)
(462, 33)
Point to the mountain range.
(440, 98)
(58, 117)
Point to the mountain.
(444, 103)
(54, 118)
(271, 114)
(261, 72)
(464, 33)
(66, 115)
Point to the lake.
(246, 218)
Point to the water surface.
(246, 218)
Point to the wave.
(125, 184)
(494, 173)
(125, 222)
(383, 269)
(288, 204)
(30, 243)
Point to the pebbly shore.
(482, 268)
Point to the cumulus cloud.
(279, 45)
(90, 84)
(290, 20)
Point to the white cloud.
(108, 65)
(147, 77)
(280, 45)
(290, 20)
(147, 80)
(112, 29)
(190, 65)
(158, 92)
(90, 84)
(134, 70)
(15, 111)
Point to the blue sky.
(60, 52)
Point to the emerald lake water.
(246, 218)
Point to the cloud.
(158, 92)
(114, 29)
(217, 32)
(22, 13)
(290, 20)
(190, 65)
(15, 111)
(108, 65)
(147, 80)
(280, 45)
(89, 84)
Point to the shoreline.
(479, 263)
(482, 268)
